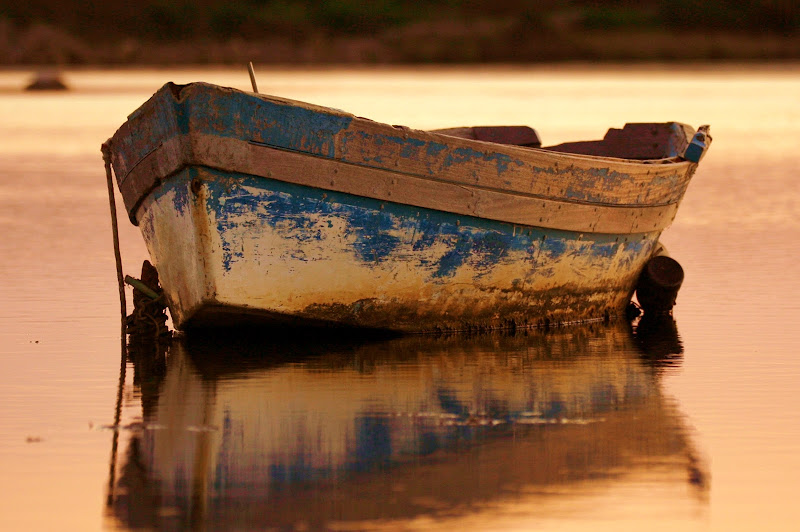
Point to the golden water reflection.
(250, 433)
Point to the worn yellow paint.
(313, 271)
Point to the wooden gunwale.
(233, 155)
(535, 173)
(516, 169)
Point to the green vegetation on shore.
(394, 31)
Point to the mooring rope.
(123, 311)
(123, 307)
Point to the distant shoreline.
(48, 46)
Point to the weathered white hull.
(311, 216)
(235, 248)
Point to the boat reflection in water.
(252, 433)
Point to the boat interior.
(641, 141)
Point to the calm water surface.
(584, 428)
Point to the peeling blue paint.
(605, 250)
(434, 149)
(410, 148)
(379, 231)
(163, 119)
(453, 259)
(483, 250)
(591, 184)
(274, 124)
(206, 109)
(182, 199)
(234, 114)
(553, 247)
(430, 151)
(466, 155)
(374, 243)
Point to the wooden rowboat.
(255, 207)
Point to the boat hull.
(261, 209)
(235, 247)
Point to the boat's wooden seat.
(635, 141)
(514, 135)
(642, 141)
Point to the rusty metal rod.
(252, 76)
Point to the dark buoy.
(658, 285)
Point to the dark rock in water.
(47, 80)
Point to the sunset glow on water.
(571, 430)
